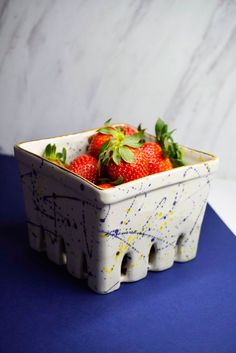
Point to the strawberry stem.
(170, 148)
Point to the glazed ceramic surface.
(113, 235)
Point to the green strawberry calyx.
(170, 148)
(51, 154)
(140, 129)
(118, 147)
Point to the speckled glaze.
(113, 235)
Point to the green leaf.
(59, 155)
(177, 162)
(139, 128)
(104, 158)
(170, 148)
(107, 122)
(164, 129)
(159, 127)
(64, 155)
(106, 131)
(47, 151)
(54, 148)
(116, 157)
(165, 146)
(135, 140)
(171, 132)
(134, 144)
(126, 154)
(118, 181)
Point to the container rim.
(18, 146)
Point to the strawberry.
(105, 185)
(85, 166)
(96, 141)
(128, 130)
(122, 157)
(165, 153)
(163, 164)
(157, 162)
(51, 154)
(135, 169)
(106, 133)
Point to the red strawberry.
(107, 133)
(136, 169)
(157, 162)
(164, 164)
(122, 157)
(105, 185)
(96, 141)
(128, 130)
(85, 166)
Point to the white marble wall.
(68, 65)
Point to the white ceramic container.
(113, 235)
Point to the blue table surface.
(189, 308)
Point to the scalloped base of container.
(128, 267)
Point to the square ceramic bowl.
(113, 235)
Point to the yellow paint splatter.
(200, 158)
(123, 247)
(108, 270)
(104, 235)
(140, 257)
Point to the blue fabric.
(189, 308)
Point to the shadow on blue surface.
(189, 308)
(11, 205)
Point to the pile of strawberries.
(119, 154)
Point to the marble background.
(68, 65)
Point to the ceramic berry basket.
(113, 235)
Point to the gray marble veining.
(66, 66)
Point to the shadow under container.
(113, 235)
